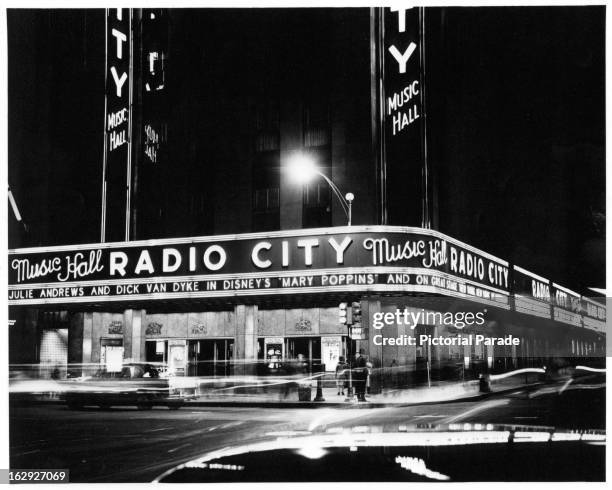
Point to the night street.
(306, 244)
(123, 444)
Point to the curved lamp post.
(302, 168)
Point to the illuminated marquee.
(531, 293)
(356, 259)
(593, 315)
(567, 306)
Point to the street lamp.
(349, 201)
(303, 169)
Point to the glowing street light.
(303, 169)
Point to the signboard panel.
(593, 315)
(359, 259)
(340, 259)
(358, 333)
(531, 293)
(154, 104)
(403, 115)
(117, 124)
(331, 348)
(567, 306)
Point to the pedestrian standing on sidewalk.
(360, 375)
(369, 367)
(347, 377)
(340, 375)
(394, 374)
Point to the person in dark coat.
(360, 376)
(341, 381)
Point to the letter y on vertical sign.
(402, 59)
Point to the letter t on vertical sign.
(117, 158)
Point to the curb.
(314, 405)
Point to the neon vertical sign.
(117, 161)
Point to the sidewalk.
(278, 393)
(442, 392)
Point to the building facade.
(213, 260)
(251, 303)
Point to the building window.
(156, 351)
(317, 200)
(266, 199)
(267, 124)
(265, 141)
(317, 122)
(266, 191)
(306, 349)
(317, 194)
(317, 204)
(266, 165)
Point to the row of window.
(316, 195)
(316, 114)
(266, 168)
(316, 207)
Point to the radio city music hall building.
(213, 269)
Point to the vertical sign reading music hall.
(117, 126)
(403, 115)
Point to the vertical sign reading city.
(403, 115)
(117, 121)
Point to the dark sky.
(56, 116)
(515, 106)
(521, 128)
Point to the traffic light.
(343, 314)
(356, 312)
